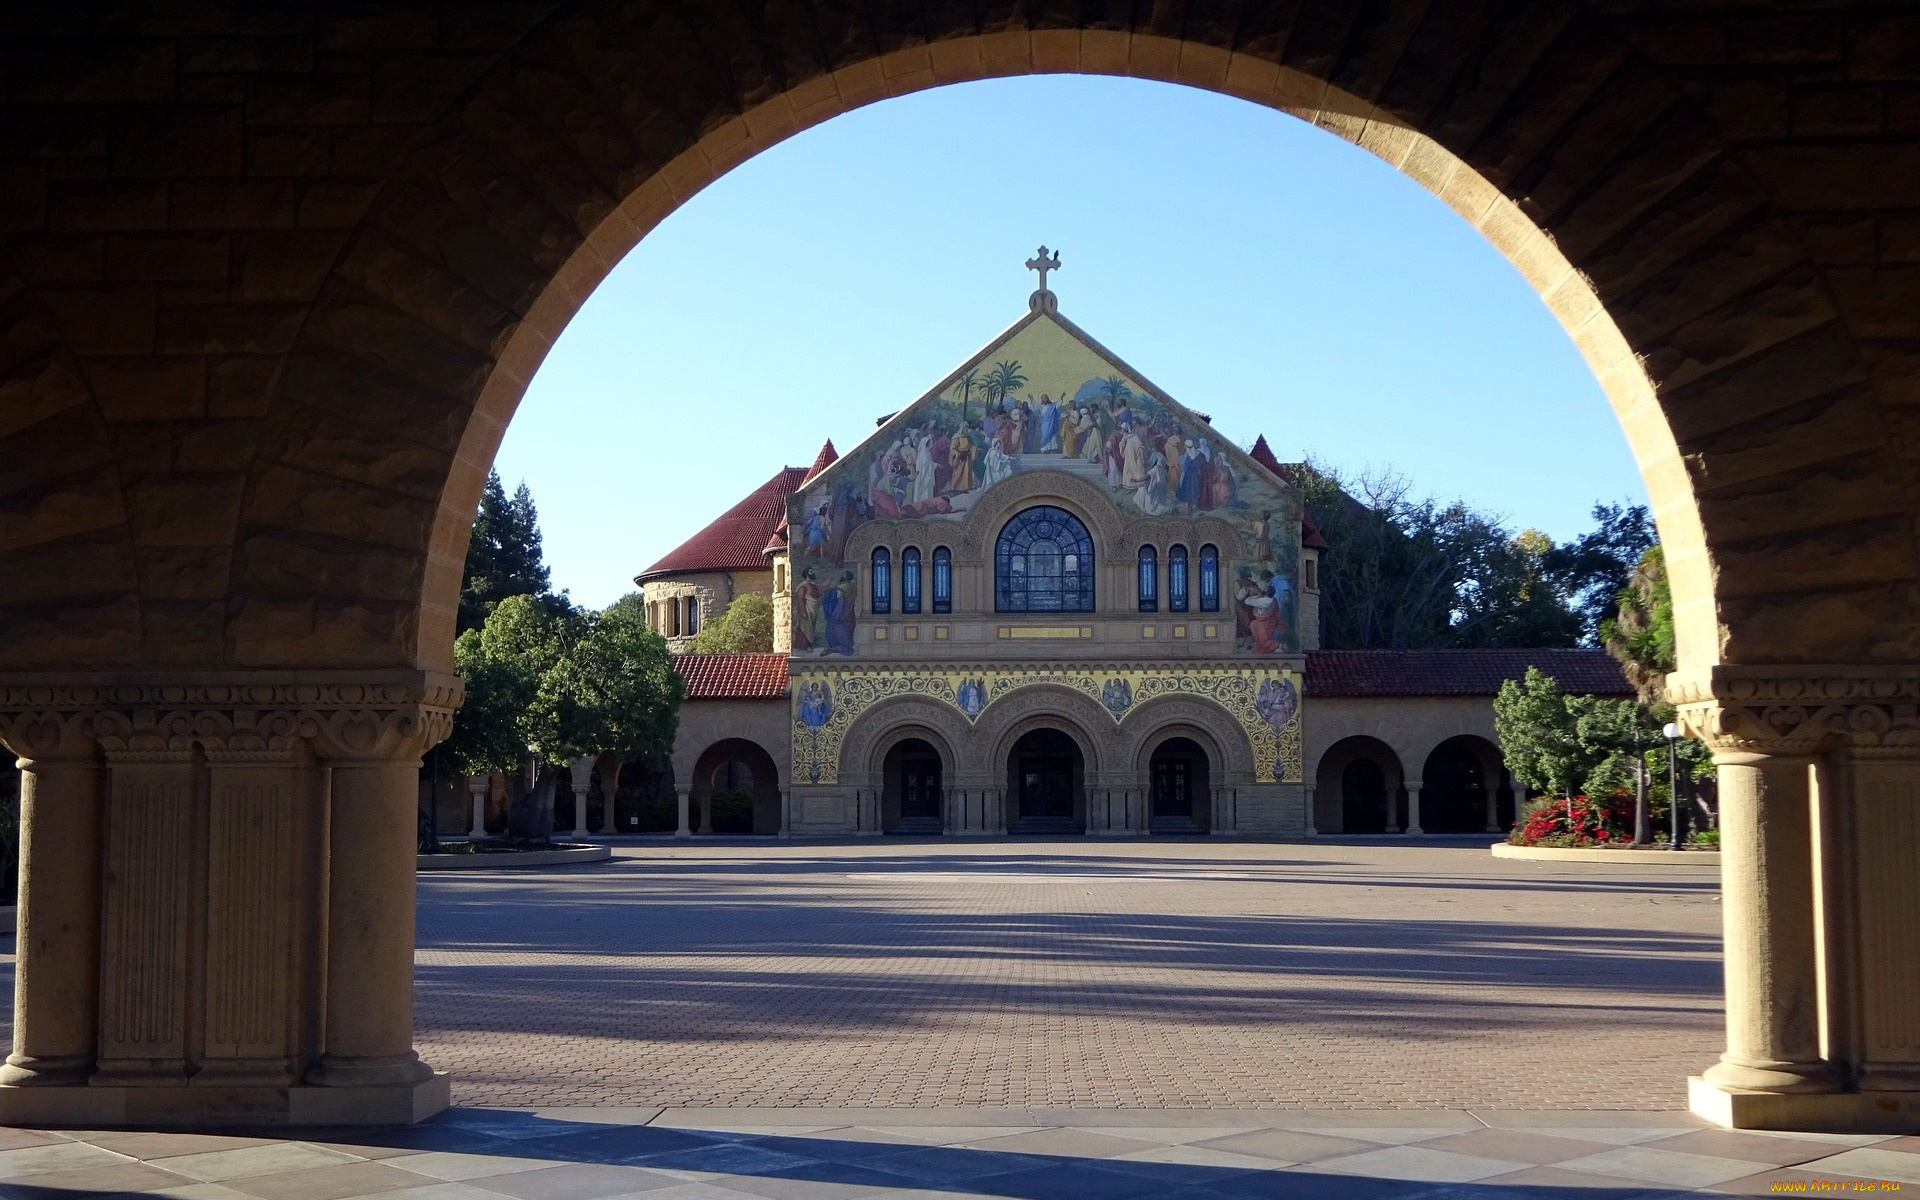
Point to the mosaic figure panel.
(1044, 397)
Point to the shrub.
(1707, 837)
(1602, 821)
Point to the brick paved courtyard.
(1071, 974)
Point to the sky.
(1253, 267)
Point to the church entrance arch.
(1179, 788)
(912, 798)
(1046, 783)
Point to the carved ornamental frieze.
(1263, 701)
(1785, 713)
(340, 719)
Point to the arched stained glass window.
(882, 581)
(1043, 562)
(1177, 579)
(1209, 579)
(1149, 579)
(943, 580)
(910, 580)
(693, 616)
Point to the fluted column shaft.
(1766, 872)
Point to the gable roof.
(1458, 672)
(732, 676)
(1310, 535)
(885, 428)
(737, 539)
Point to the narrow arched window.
(1177, 579)
(910, 580)
(693, 615)
(674, 613)
(943, 580)
(1043, 562)
(1149, 579)
(1209, 579)
(882, 580)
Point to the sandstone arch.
(274, 365)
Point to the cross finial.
(1042, 298)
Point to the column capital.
(241, 716)
(1750, 714)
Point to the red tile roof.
(733, 676)
(738, 537)
(1457, 672)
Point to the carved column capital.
(243, 716)
(1749, 713)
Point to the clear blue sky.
(1254, 267)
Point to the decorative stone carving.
(1798, 714)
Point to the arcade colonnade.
(271, 284)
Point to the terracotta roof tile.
(1457, 672)
(1310, 535)
(733, 676)
(738, 537)
(821, 461)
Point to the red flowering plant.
(1582, 821)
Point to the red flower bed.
(1602, 821)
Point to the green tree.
(746, 627)
(1640, 635)
(503, 554)
(1003, 380)
(1539, 735)
(1619, 733)
(624, 676)
(966, 384)
(1593, 569)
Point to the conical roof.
(737, 539)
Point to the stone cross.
(1043, 264)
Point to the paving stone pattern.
(1071, 974)
(828, 1154)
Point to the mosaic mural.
(1043, 398)
(1265, 704)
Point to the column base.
(101, 1107)
(1805, 1112)
(24, 1071)
(1772, 1076)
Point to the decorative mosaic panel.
(1265, 702)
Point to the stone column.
(581, 773)
(1413, 808)
(1876, 954)
(1766, 872)
(57, 972)
(1312, 828)
(610, 797)
(683, 795)
(706, 810)
(369, 1026)
(477, 789)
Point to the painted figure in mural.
(1244, 590)
(809, 622)
(1172, 449)
(1191, 478)
(1276, 702)
(1153, 498)
(1225, 493)
(836, 611)
(1070, 430)
(816, 705)
(1284, 603)
(1093, 440)
(1049, 417)
(1115, 457)
(925, 478)
(1263, 535)
(1266, 614)
(960, 450)
(999, 464)
(1133, 454)
(1117, 695)
(971, 696)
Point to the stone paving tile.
(173, 1145)
(1557, 1182)
(219, 1166)
(56, 1156)
(117, 1177)
(1725, 1143)
(1523, 1146)
(1816, 1181)
(1073, 1143)
(1285, 1145)
(1416, 1163)
(1070, 974)
(1661, 1166)
(1874, 1162)
(327, 1183)
(20, 1139)
(574, 1181)
(440, 1164)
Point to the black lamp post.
(1673, 782)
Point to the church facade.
(1048, 598)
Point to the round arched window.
(1043, 562)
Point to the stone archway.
(1357, 787)
(239, 471)
(735, 788)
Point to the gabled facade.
(1046, 597)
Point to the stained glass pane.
(943, 580)
(1149, 579)
(1209, 579)
(882, 581)
(1177, 579)
(910, 580)
(1043, 562)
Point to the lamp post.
(1673, 782)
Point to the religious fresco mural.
(1263, 702)
(1044, 399)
